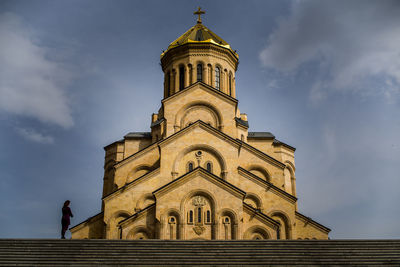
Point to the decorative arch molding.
(260, 170)
(199, 192)
(112, 230)
(290, 166)
(144, 201)
(207, 148)
(228, 221)
(138, 171)
(140, 232)
(180, 115)
(285, 219)
(175, 229)
(228, 212)
(253, 199)
(256, 231)
(119, 213)
(292, 179)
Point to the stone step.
(52, 252)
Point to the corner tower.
(199, 174)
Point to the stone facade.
(199, 174)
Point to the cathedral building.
(199, 174)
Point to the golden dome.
(199, 34)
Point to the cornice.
(205, 174)
(177, 51)
(137, 214)
(306, 220)
(135, 155)
(205, 127)
(132, 184)
(267, 185)
(85, 222)
(261, 216)
(262, 155)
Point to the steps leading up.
(53, 252)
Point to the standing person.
(65, 221)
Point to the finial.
(199, 12)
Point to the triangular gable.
(267, 185)
(307, 220)
(206, 88)
(199, 171)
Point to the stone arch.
(140, 232)
(260, 172)
(228, 220)
(285, 229)
(137, 172)
(186, 109)
(172, 229)
(256, 232)
(209, 228)
(290, 179)
(253, 200)
(113, 232)
(207, 148)
(144, 201)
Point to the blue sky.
(323, 76)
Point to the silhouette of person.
(65, 220)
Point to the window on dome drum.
(209, 166)
(230, 84)
(217, 77)
(190, 166)
(181, 77)
(199, 72)
(168, 81)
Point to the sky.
(322, 76)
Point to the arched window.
(208, 216)
(181, 77)
(199, 72)
(230, 84)
(190, 166)
(190, 220)
(217, 78)
(168, 84)
(199, 215)
(209, 166)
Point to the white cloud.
(355, 43)
(34, 136)
(30, 83)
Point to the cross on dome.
(199, 12)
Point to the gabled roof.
(267, 184)
(205, 174)
(279, 143)
(236, 142)
(312, 222)
(205, 86)
(138, 135)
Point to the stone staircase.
(51, 252)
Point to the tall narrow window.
(230, 84)
(168, 84)
(190, 166)
(217, 78)
(181, 77)
(208, 218)
(199, 215)
(191, 216)
(199, 72)
(209, 166)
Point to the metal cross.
(199, 12)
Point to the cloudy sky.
(323, 76)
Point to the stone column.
(205, 74)
(187, 77)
